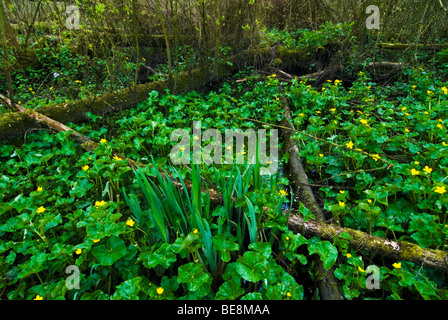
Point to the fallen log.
(90, 145)
(398, 250)
(402, 46)
(327, 283)
(15, 125)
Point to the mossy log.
(398, 250)
(13, 125)
(403, 46)
(298, 178)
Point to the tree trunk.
(398, 250)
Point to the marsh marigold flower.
(40, 210)
(440, 190)
(350, 145)
(85, 168)
(427, 169)
(342, 203)
(79, 251)
(100, 203)
(414, 172)
(160, 290)
(130, 222)
(397, 265)
(39, 189)
(283, 192)
(103, 141)
(38, 297)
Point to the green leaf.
(35, 264)
(80, 188)
(128, 290)
(264, 248)
(252, 266)
(326, 251)
(222, 244)
(111, 252)
(163, 256)
(230, 290)
(193, 275)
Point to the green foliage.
(379, 157)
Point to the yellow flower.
(414, 86)
(439, 126)
(440, 190)
(416, 163)
(39, 189)
(361, 269)
(317, 111)
(301, 114)
(376, 157)
(414, 172)
(117, 158)
(429, 92)
(337, 81)
(321, 155)
(130, 222)
(406, 130)
(272, 76)
(342, 203)
(283, 192)
(333, 109)
(96, 240)
(40, 209)
(364, 121)
(342, 191)
(85, 168)
(195, 231)
(349, 145)
(369, 200)
(160, 290)
(349, 255)
(79, 251)
(445, 90)
(288, 294)
(196, 138)
(78, 81)
(427, 169)
(403, 109)
(100, 203)
(38, 297)
(397, 265)
(444, 143)
(103, 141)
(287, 238)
